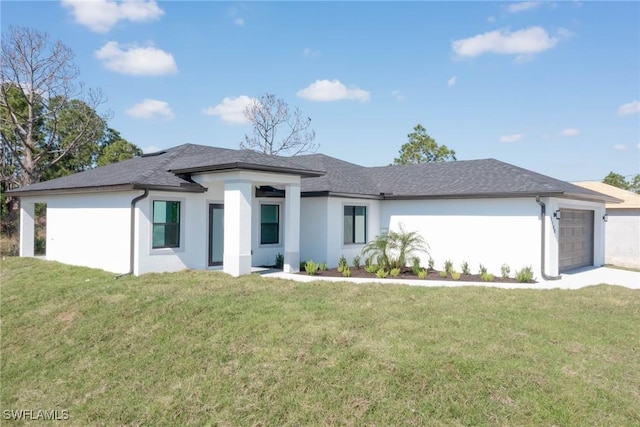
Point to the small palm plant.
(393, 248)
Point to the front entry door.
(216, 234)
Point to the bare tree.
(37, 86)
(268, 116)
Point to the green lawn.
(200, 348)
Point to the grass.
(200, 348)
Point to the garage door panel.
(575, 239)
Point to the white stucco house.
(202, 207)
(622, 230)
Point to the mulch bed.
(408, 274)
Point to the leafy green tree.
(616, 180)
(116, 149)
(43, 121)
(634, 185)
(421, 148)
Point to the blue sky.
(549, 86)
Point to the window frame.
(353, 224)
(278, 223)
(178, 224)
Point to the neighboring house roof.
(171, 170)
(629, 199)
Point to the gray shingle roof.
(322, 175)
(166, 169)
(470, 178)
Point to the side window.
(355, 224)
(269, 224)
(166, 224)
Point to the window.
(269, 224)
(355, 224)
(166, 224)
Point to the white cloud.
(150, 149)
(101, 15)
(150, 108)
(619, 147)
(230, 110)
(239, 22)
(310, 53)
(332, 90)
(136, 60)
(570, 132)
(398, 95)
(522, 42)
(491, 19)
(514, 137)
(522, 6)
(632, 107)
(452, 81)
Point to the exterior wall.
(622, 237)
(552, 227)
(313, 229)
(334, 234)
(488, 231)
(193, 251)
(91, 230)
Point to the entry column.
(292, 228)
(27, 227)
(237, 227)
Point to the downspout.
(132, 238)
(543, 213)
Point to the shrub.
(431, 264)
(382, 273)
(504, 271)
(368, 261)
(403, 244)
(455, 275)
(311, 268)
(322, 266)
(525, 275)
(371, 268)
(483, 269)
(448, 266)
(415, 265)
(303, 265)
(279, 261)
(346, 272)
(465, 268)
(443, 274)
(355, 262)
(395, 272)
(422, 274)
(487, 277)
(342, 263)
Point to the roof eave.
(183, 188)
(306, 173)
(73, 190)
(592, 198)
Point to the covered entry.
(576, 239)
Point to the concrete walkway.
(574, 280)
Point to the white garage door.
(576, 239)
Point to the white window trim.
(367, 206)
(167, 251)
(280, 205)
